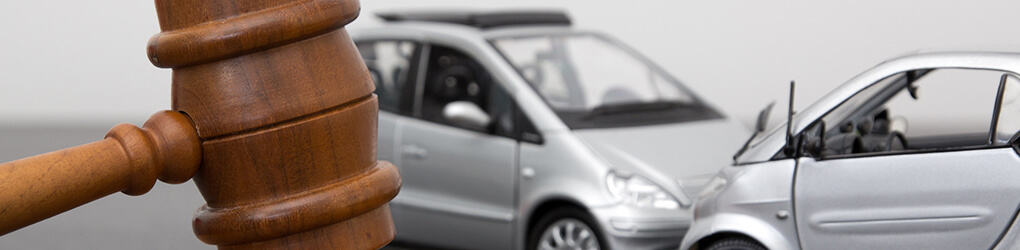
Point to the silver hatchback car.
(849, 172)
(517, 131)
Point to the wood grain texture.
(371, 230)
(284, 106)
(129, 160)
(273, 117)
(253, 30)
(243, 94)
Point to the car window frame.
(996, 115)
(801, 135)
(519, 116)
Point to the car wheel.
(735, 244)
(566, 228)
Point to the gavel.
(273, 117)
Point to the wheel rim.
(568, 234)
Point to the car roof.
(466, 25)
(480, 19)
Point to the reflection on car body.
(517, 131)
(920, 152)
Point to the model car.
(919, 152)
(514, 130)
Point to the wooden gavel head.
(273, 117)
(284, 107)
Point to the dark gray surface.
(160, 219)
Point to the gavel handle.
(129, 159)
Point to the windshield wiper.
(759, 127)
(627, 107)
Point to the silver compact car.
(919, 152)
(517, 131)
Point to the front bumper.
(626, 227)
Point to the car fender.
(748, 226)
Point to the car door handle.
(414, 151)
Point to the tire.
(735, 244)
(557, 217)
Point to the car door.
(949, 184)
(458, 181)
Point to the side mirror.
(466, 114)
(814, 144)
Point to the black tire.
(735, 244)
(547, 219)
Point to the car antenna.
(789, 121)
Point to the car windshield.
(592, 81)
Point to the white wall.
(78, 61)
(84, 61)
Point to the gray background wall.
(69, 70)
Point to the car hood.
(681, 157)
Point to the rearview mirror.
(466, 114)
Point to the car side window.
(392, 65)
(453, 76)
(921, 110)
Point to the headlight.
(638, 191)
